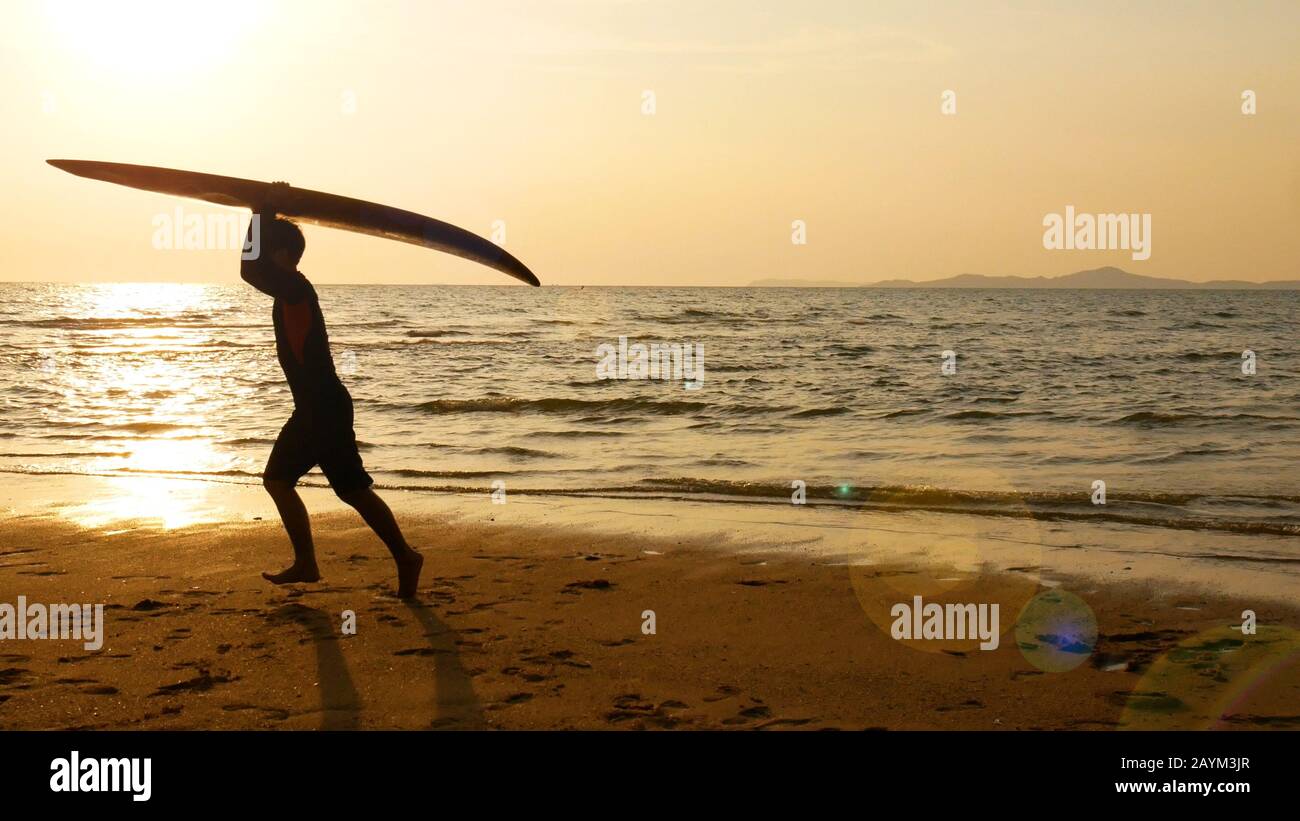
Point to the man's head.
(285, 243)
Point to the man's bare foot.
(408, 574)
(296, 573)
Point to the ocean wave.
(905, 494)
(968, 415)
(1162, 419)
(1199, 356)
(903, 412)
(1134, 508)
(575, 434)
(691, 315)
(562, 405)
(110, 323)
(63, 454)
(414, 473)
(198, 473)
(432, 341)
(516, 451)
(1153, 509)
(1190, 453)
(842, 349)
(374, 323)
(128, 427)
(815, 413)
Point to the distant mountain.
(1108, 277)
(805, 283)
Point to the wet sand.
(528, 625)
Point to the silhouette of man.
(320, 430)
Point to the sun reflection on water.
(144, 501)
(135, 384)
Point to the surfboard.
(305, 205)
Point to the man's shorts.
(319, 438)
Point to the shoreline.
(1259, 566)
(528, 619)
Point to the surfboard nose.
(522, 272)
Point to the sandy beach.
(532, 615)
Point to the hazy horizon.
(532, 114)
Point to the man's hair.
(284, 235)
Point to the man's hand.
(273, 199)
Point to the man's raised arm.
(261, 272)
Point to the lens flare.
(1220, 679)
(946, 558)
(1056, 631)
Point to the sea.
(1170, 410)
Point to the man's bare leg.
(380, 518)
(297, 524)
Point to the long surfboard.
(305, 205)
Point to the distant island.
(1109, 277)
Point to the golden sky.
(531, 112)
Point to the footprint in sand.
(784, 722)
(199, 684)
(724, 691)
(566, 658)
(575, 588)
(273, 713)
(419, 651)
(629, 706)
(632, 707)
(100, 690)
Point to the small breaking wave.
(564, 405)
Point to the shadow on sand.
(340, 704)
(456, 706)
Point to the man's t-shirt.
(301, 342)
